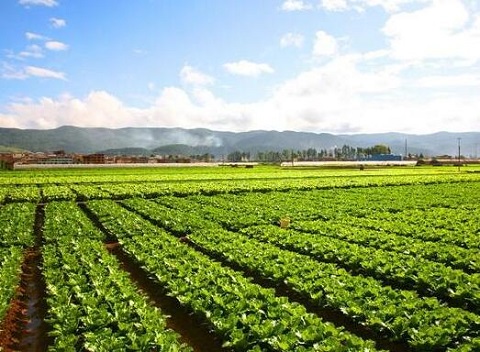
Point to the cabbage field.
(233, 259)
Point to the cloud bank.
(336, 97)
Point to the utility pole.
(406, 150)
(459, 154)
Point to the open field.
(236, 259)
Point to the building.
(96, 158)
(57, 159)
(6, 161)
(384, 157)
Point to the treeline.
(5, 165)
(345, 152)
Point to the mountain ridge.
(74, 139)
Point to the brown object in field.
(284, 223)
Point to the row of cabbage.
(107, 190)
(401, 315)
(245, 315)
(16, 235)
(449, 206)
(443, 213)
(92, 303)
(441, 251)
(136, 175)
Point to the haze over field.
(337, 66)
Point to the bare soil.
(193, 329)
(24, 328)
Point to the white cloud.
(35, 36)
(328, 98)
(48, 3)
(376, 54)
(336, 97)
(442, 81)
(151, 86)
(12, 72)
(390, 5)
(362, 5)
(140, 52)
(248, 68)
(325, 44)
(190, 75)
(334, 5)
(98, 109)
(43, 73)
(175, 107)
(292, 39)
(295, 5)
(8, 121)
(34, 51)
(443, 30)
(58, 22)
(56, 46)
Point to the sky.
(336, 66)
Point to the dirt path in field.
(193, 329)
(11, 326)
(24, 327)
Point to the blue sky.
(341, 66)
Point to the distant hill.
(5, 149)
(183, 149)
(126, 151)
(144, 141)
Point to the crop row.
(16, 234)
(10, 268)
(245, 315)
(457, 257)
(17, 225)
(137, 175)
(406, 271)
(382, 217)
(401, 315)
(235, 212)
(367, 205)
(414, 225)
(152, 189)
(92, 303)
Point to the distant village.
(60, 157)
(9, 160)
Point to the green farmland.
(237, 259)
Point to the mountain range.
(143, 141)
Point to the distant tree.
(381, 149)
(260, 156)
(235, 156)
(311, 154)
